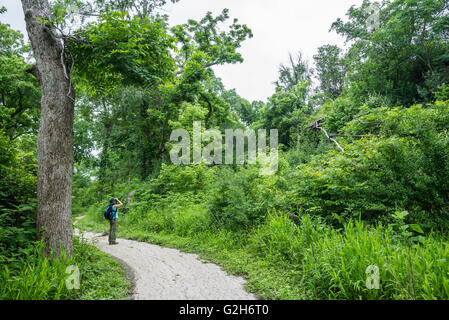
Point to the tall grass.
(34, 277)
(332, 264)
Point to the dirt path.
(169, 274)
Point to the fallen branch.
(316, 126)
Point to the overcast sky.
(279, 27)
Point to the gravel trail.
(168, 274)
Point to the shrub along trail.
(169, 274)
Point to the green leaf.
(416, 228)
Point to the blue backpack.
(108, 212)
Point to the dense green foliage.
(283, 259)
(406, 58)
(19, 112)
(30, 276)
(25, 273)
(363, 174)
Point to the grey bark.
(55, 137)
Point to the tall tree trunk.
(55, 137)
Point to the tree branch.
(21, 134)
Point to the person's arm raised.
(118, 205)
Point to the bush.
(338, 113)
(405, 166)
(17, 194)
(181, 178)
(233, 200)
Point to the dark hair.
(112, 201)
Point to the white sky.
(279, 27)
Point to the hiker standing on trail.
(111, 213)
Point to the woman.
(113, 222)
